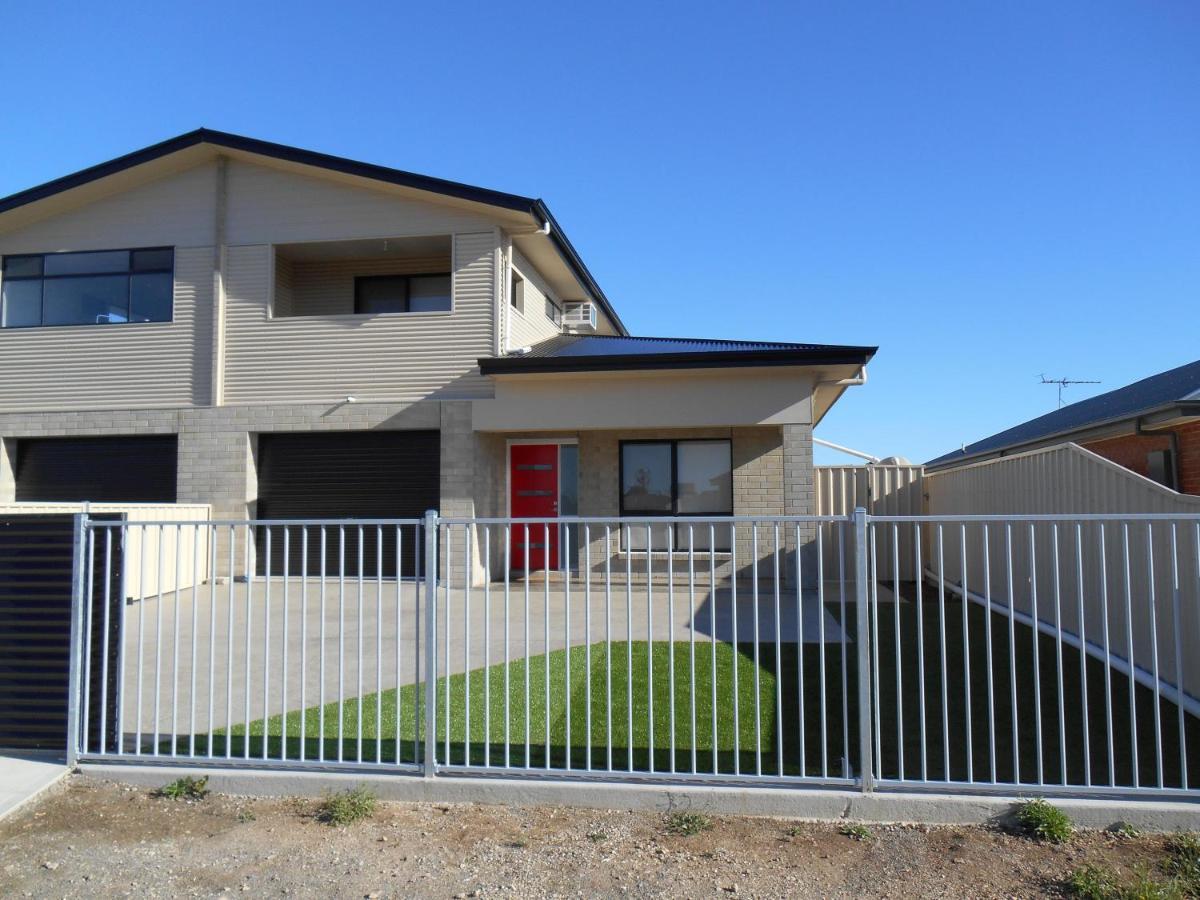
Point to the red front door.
(534, 481)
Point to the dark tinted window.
(105, 287)
(375, 294)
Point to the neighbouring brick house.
(285, 334)
(1151, 427)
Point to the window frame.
(551, 303)
(128, 274)
(674, 445)
(407, 276)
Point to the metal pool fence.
(1031, 654)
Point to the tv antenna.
(1065, 382)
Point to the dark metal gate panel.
(36, 573)
(338, 475)
(97, 469)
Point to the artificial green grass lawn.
(1017, 750)
(400, 710)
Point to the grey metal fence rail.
(1033, 654)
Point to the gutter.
(513, 365)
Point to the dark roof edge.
(535, 208)
(575, 262)
(506, 365)
(947, 461)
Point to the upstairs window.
(107, 287)
(553, 312)
(375, 294)
(516, 295)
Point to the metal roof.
(613, 352)
(534, 207)
(1173, 386)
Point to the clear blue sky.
(988, 191)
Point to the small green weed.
(687, 824)
(1045, 822)
(1093, 883)
(347, 807)
(185, 788)
(597, 837)
(1183, 861)
(1125, 830)
(795, 830)
(856, 832)
(1100, 883)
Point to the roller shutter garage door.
(345, 475)
(97, 469)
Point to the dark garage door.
(100, 469)
(338, 475)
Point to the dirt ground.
(91, 838)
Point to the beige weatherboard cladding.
(653, 399)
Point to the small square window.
(516, 295)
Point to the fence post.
(866, 764)
(75, 680)
(430, 604)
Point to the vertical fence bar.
(650, 644)
(942, 653)
(546, 637)
(158, 624)
(564, 559)
(400, 641)
(122, 625)
(757, 661)
(229, 645)
(175, 643)
(266, 646)
(1108, 702)
(304, 643)
(448, 534)
(1037, 661)
(899, 667)
(75, 677)
(1152, 602)
(712, 625)
(1012, 652)
(195, 604)
(920, 575)
(587, 639)
(341, 690)
(212, 633)
(991, 687)
(526, 666)
(378, 641)
(608, 694)
(823, 717)
(966, 634)
(629, 647)
(841, 545)
(1058, 649)
(249, 563)
(108, 576)
(865, 739)
(507, 689)
(778, 661)
(670, 644)
(1133, 732)
(692, 639)
(1083, 656)
(799, 658)
(430, 604)
(486, 551)
(1177, 627)
(466, 645)
(321, 653)
(358, 701)
(873, 600)
(89, 537)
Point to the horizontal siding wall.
(373, 358)
(533, 325)
(151, 364)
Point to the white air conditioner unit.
(581, 316)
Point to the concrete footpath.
(25, 774)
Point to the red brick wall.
(1189, 458)
(1130, 451)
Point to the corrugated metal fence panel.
(36, 568)
(1070, 480)
(883, 491)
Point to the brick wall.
(1130, 451)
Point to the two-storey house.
(284, 334)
